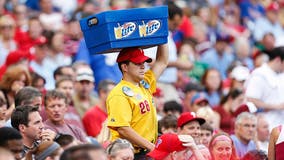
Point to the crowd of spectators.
(222, 87)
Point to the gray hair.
(117, 145)
(245, 115)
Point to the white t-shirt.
(170, 74)
(265, 84)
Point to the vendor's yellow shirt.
(133, 106)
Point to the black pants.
(142, 155)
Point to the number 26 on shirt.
(144, 107)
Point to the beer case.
(110, 31)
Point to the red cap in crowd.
(158, 93)
(189, 117)
(165, 145)
(135, 55)
(247, 107)
(16, 56)
(273, 6)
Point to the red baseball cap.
(16, 56)
(158, 93)
(247, 107)
(273, 6)
(186, 117)
(165, 145)
(135, 55)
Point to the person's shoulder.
(260, 70)
(209, 53)
(46, 122)
(234, 138)
(91, 112)
(149, 73)
(73, 128)
(119, 90)
(50, 125)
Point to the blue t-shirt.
(242, 149)
(221, 63)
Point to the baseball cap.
(16, 56)
(85, 73)
(199, 97)
(188, 117)
(240, 73)
(134, 54)
(247, 107)
(273, 6)
(191, 86)
(158, 93)
(165, 145)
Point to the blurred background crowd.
(226, 58)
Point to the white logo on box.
(149, 28)
(125, 30)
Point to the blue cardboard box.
(110, 31)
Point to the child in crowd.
(168, 124)
(206, 134)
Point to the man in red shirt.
(94, 119)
